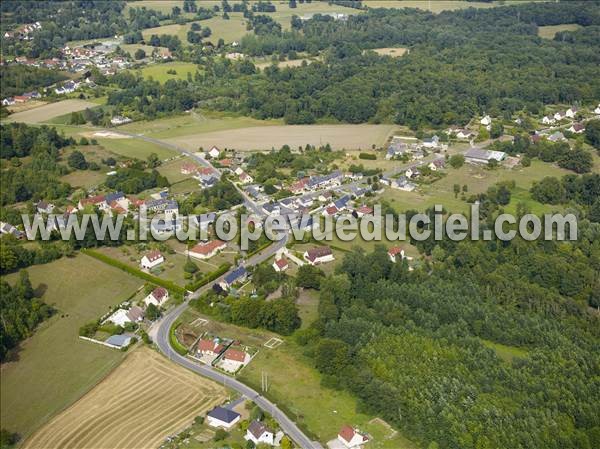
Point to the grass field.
(159, 71)
(132, 48)
(548, 32)
(55, 367)
(504, 352)
(172, 169)
(296, 387)
(436, 6)
(138, 405)
(231, 30)
(257, 138)
(135, 148)
(393, 52)
(194, 123)
(478, 180)
(21, 107)
(49, 111)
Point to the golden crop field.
(265, 138)
(49, 111)
(139, 404)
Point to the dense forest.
(417, 347)
(38, 178)
(15, 80)
(21, 312)
(460, 64)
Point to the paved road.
(160, 331)
(161, 338)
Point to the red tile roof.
(234, 354)
(365, 210)
(207, 248)
(331, 210)
(395, 251)
(319, 251)
(282, 263)
(159, 293)
(153, 255)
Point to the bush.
(367, 156)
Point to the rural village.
(157, 342)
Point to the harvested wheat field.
(137, 406)
(351, 137)
(49, 111)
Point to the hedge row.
(260, 248)
(178, 347)
(134, 271)
(367, 156)
(193, 286)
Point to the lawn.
(394, 52)
(159, 71)
(231, 30)
(197, 122)
(172, 169)
(308, 306)
(55, 367)
(504, 352)
(295, 386)
(548, 32)
(135, 148)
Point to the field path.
(137, 406)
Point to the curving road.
(160, 331)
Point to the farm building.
(479, 156)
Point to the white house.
(394, 252)
(431, 142)
(151, 260)
(280, 265)
(486, 121)
(158, 297)
(222, 417)
(350, 438)
(577, 128)
(207, 250)
(119, 120)
(44, 207)
(233, 360)
(597, 110)
(121, 317)
(464, 134)
(214, 152)
(571, 112)
(437, 164)
(259, 433)
(560, 115)
(319, 255)
(245, 178)
(548, 120)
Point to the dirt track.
(137, 406)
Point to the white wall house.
(151, 260)
(222, 417)
(259, 433)
(158, 297)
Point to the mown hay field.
(49, 111)
(144, 400)
(266, 138)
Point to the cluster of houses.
(24, 32)
(127, 313)
(560, 115)
(415, 150)
(224, 417)
(222, 353)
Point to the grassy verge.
(174, 342)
